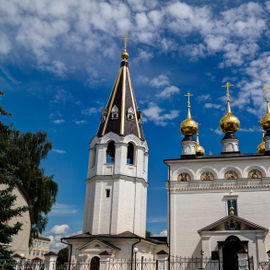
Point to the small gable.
(97, 246)
(232, 223)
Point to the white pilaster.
(267, 142)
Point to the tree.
(148, 234)
(8, 181)
(25, 153)
(62, 256)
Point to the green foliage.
(148, 234)
(20, 157)
(26, 153)
(62, 256)
(8, 181)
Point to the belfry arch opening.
(110, 153)
(130, 154)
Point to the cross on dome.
(125, 36)
(266, 89)
(188, 95)
(228, 85)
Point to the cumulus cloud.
(62, 209)
(59, 229)
(156, 219)
(91, 110)
(59, 151)
(78, 122)
(168, 92)
(163, 233)
(209, 105)
(58, 121)
(158, 115)
(160, 81)
(217, 131)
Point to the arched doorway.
(94, 265)
(230, 249)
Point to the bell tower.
(116, 185)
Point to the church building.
(116, 187)
(217, 204)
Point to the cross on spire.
(125, 36)
(266, 88)
(228, 85)
(188, 95)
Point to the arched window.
(95, 262)
(206, 176)
(231, 175)
(110, 152)
(115, 112)
(183, 177)
(130, 153)
(255, 174)
(130, 113)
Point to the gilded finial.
(125, 54)
(228, 85)
(189, 126)
(232, 209)
(265, 120)
(188, 95)
(261, 146)
(229, 122)
(199, 149)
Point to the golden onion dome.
(265, 120)
(200, 152)
(189, 126)
(261, 146)
(229, 122)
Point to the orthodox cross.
(188, 95)
(228, 85)
(125, 36)
(266, 88)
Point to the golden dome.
(261, 146)
(189, 126)
(265, 121)
(200, 152)
(229, 122)
(125, 55)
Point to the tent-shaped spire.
(121, 114)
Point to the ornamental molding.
(218, 185)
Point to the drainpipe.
(132, 247)
(70, 252)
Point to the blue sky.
(59, 60)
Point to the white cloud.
(163, 233)
(63, 209)
(160, 81)
(209, 105)
(59, 151)
(5, 47)
(157, 115)
(205, 97)
(58, 121)
(91, 110)
(78, 122)
(217, 131)
(168, 92)
(156, 219)
(59, 229)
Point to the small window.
(130, 154)
(232, 207)
(110, 152)
(115, 112)
(130, 113)
(108, 193)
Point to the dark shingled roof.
(123, 97)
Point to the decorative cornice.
(116, 177)
(218, 185)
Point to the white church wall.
(192, 211)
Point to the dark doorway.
(230, 249)
(94, 263)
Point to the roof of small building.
(51, 253)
